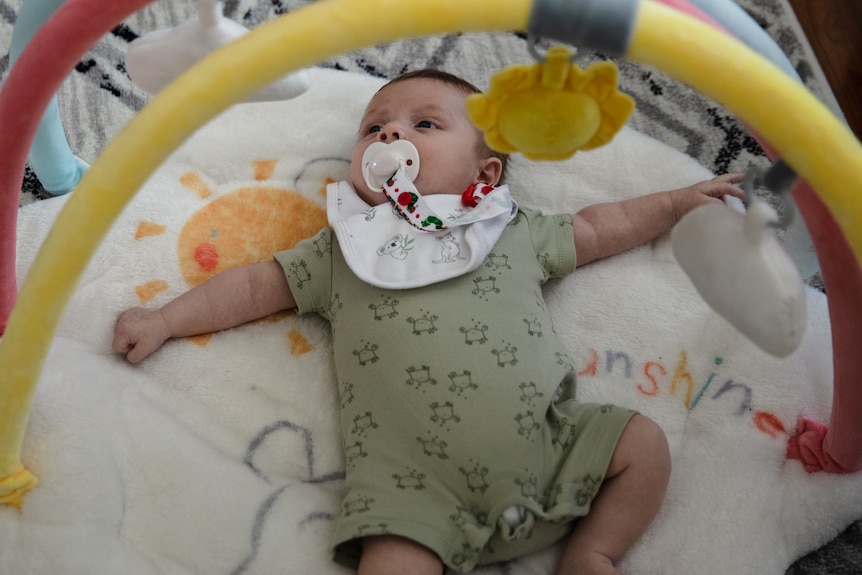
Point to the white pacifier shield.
(380, 161)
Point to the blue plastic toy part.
(50, 157)
(797, 240)
(737, 21)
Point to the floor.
(834, 29)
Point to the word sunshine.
(653, 378)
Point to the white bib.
(384, 250)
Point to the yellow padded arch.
(805, 133)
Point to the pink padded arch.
(836, 448)
(44, 64)
(688, 8)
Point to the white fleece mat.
(220, 455)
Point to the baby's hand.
(139, 332)
(686, 199)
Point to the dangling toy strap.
(408, 202)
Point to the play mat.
(221, 453)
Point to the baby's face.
(432, 116)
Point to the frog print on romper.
(334, 306)
(476, 478)
(367, 354)
(387, 308)
(462, 382)
(358, 504)
(588, 490)
(433, 446)
(353, 452)
(527, 424)
(529, 487)
(506, 356)
(419, 376)
(363, 423)
(322, 245)
(347, 396)
(565, 434)
(485, 286)
(413, 479)
(529, 391)
(424, 323)
(534, 327)
(464, 517)
(300, 271)
(475, 334)
(496, 262)
(466, 553)
(443, 413)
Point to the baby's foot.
(807, 445)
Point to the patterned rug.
(98, 99)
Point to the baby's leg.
(628, 499)
(392, 555)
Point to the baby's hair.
(460, 84)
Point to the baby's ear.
(490, 170)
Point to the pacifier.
(380, 162)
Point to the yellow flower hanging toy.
(550, 110)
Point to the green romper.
(458, 401)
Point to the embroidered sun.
(239, 227)
(550, 111)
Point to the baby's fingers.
(730, 177)
(135, 349)
(139, 351)
(124, 338)
(731, 190)
(121, 343)
(726, 185)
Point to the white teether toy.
(741, 271)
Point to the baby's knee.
(647, 431)
(383, 554)
(643, 442)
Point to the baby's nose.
(390, 132)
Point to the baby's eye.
(374, 129)
(425, 124)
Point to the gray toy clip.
(602, 25)
(778, 179)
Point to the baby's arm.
(231, 298)
(603, 230)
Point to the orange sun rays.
(241, 227)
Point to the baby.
(464, 443)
